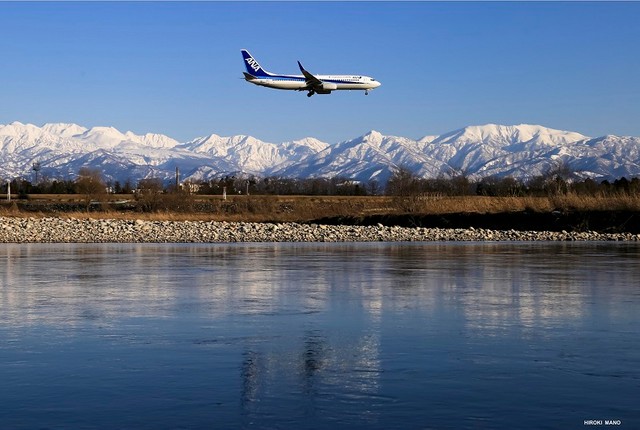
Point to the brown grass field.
(302, 208)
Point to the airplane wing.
(311, 81)
(248, 77)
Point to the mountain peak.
(502, 135)
(104, 130)
(16, 128)
(64, 129)
(373, 134)
(373, 137)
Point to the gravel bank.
(59, 230)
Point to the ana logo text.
(253, 63)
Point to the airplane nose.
(377, 84)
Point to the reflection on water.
(439, 335)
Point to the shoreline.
(76, 230)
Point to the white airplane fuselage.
(314, 84)
(297, 82)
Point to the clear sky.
(175, 68)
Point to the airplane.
(314, 84)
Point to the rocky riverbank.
(73, 230)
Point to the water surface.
(358, 336)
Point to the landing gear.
(310, 93)
(366, 92)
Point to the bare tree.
(91, 185)
(403, 182)
(149, 194)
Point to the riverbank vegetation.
(404, 198)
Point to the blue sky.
(175, 68)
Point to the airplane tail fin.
(253, 67)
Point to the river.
(313, 336)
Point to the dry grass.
(309, 208)
(476, 204)
(480, 204)
(623, 202)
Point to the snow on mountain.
(62, 149)
(521, 151)
(248, 154)
(102, 137)
(478, 150)
(63, 130)
(152, 140)
(610, 157)
(368, 157)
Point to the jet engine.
(326, 86)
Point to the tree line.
(555, 182)
(403, 182)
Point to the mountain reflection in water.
(437, 335)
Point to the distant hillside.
(521, 151)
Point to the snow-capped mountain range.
(520, 151)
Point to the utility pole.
(177, 178)
(8, 190)
(36, 168)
